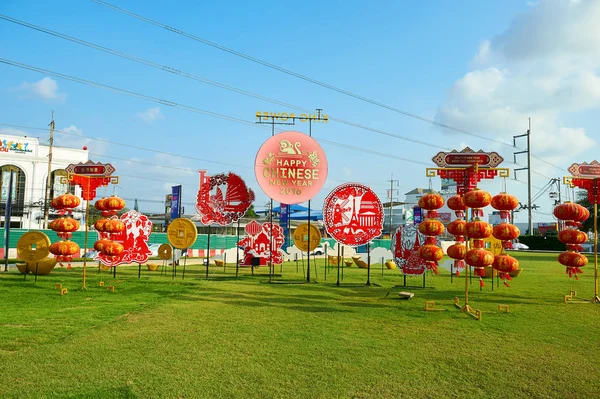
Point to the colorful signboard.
(588, 170)
(175, 202)
(134, 239)
(284, 116)
(223, 198)
(291, 167)
(417, 215)
(17, 147)
(90, 168)
(353, 214)
(467, 157)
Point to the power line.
(300, 76)
(191, 76)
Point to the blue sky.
(479, 66)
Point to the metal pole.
(207, 251)
(85, 240)
(530, 207)
(237, 251)
(391, 202)
(47, 195)
(368, 263)
(308, 253)
(7, 213)
(339, 260)
(596, 298)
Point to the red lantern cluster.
(109, 225)
(505, 232)
(457, 228)
(64, 228)
(573, 215)
(477, 229)
(431, 228)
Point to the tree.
(250, 213)
(582, 199)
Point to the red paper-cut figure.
(134, 240)
(223, 198)
(258, 243)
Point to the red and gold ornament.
(431, 228)
(573, 215)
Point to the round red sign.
(291, 167)
(353, 214)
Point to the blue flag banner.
(175, 202)
(283, 222)
(417, 215)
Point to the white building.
(28, 160)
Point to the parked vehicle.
(91, 254)
(517, 246)
(318, 250)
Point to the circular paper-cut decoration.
(353, 214)
(291, 167)
(182, 233)
(301, 240)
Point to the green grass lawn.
(163, 337)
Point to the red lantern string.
(431, 228)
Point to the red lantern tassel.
(481, 283)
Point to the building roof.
(421, 191)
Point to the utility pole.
(47, 196)
(528, 151)
(391, 197)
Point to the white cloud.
(544, 66)
(150, 115)
(45, 88)
(73, 137)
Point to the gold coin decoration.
(33, 246)
(301, 237)
(165, 251)
(182, 233)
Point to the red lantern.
(569, 211)
(100, 244)
(574, 261)
(431, 201)
(112, 249)
(506, 232)
(56, 204)
(505, 264)
(478, 229)
(585, 214)
(504, 203)
(113, 226)
(431, 227)
(431, 254)
(101, 205)
(477, 198)
(457, 251)
(479, 258)
(64, 250)
(100, 223)
(571, 236)
(457, 204)
(115, 203)
(457, 227)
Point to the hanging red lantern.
(569, 211)
(431, 227)
(572, 236)
(457, 227)
(506, 232)
(431, 201)
(457, 251)
(115, 203)
(431, 254)
(457, 203)
(504, 203)
(113, 226)
(101, 205)
(505, 264)
(64, 250)
(100, 244)
(478, 229)
(479, 258)
(477, 198)
(100, 223)
(574, 261)
(64, 227)
(112, 249)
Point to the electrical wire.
(303, 77)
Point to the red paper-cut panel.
(259, 242)
(223, 198)
(134, 240)
(405, 247)
(353, 214)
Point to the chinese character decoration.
(431, 228)
(64, 228)
(457, 251)
(223, 198)
(108, 227)
(353, 214)
(506, 233)
(477, 229)
(405, 248)
(263, 242)
(573, 215)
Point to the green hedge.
(548, 243)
